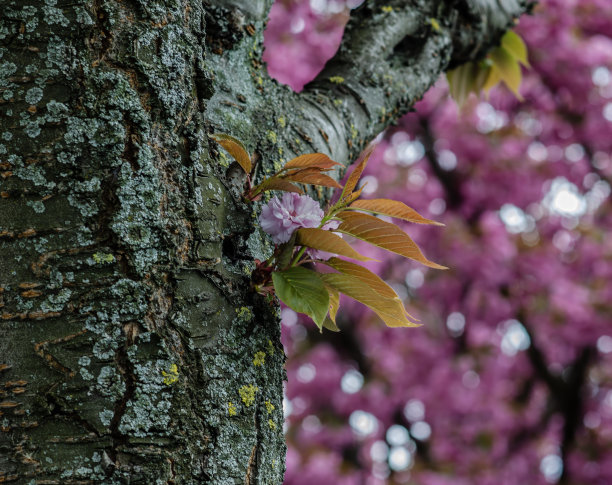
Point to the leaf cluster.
(312, 285)
(502, 64)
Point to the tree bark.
(132, 347)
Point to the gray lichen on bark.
(132, 348)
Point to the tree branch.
(252, 9)
(481, 23)
(390, 55)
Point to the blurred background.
(509, 380)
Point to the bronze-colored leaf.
(390, 310)
(352, 197)
(327, 241)
(334, 301)
(319, 160)
(235, 148)
(312, 176)
(275, 183)
(364, 274)
(382, 234)
(353, 179)
(392, 208)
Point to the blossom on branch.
(280, 217)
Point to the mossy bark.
(132, 347)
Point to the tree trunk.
(132, 347)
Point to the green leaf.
(327, 241)
(513, 43)
(329, 324)
(492, 80)
(382, 234)
(392, 208)
(462, 81)
(318, 160)
(285, 252)
(303, 291)
(501, 64)
(390, 310)
(235, 148)
(508, 69)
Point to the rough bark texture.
(132, 349)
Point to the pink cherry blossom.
(280, 217)
(519, 327)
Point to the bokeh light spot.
(399, 458)
(455, 323)
(414, 410)
(306, 373)
(379, 451)
(601, 76)
(515, 338)
(564, 199)
(604, 344)
(397, 435)
(363, 423)
(421, 430)
(415, 278)
(551, 467)
(352, 381)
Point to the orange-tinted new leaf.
(364, 274)
(276, 183)
(327, 241)
(235, 148)
(351, 183)
(390, 310)
(318, 160)
(334, 302)
(354, 196)
(371, 279)
(392, 208)
(382, 234)
(312, 176)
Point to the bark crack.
(126, 369)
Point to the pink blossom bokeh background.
(509, 380)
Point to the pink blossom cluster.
(509, 380)
(281, 217)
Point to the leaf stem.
(298, 256)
